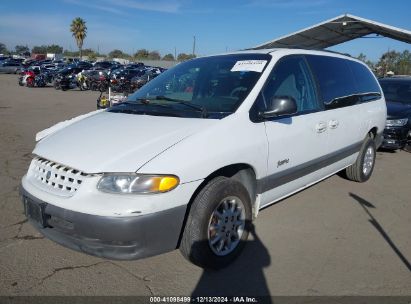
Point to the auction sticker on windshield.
(249, 65)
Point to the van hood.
(116, 142)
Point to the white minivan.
(190, 158)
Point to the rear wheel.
(363, 167)
(218, 224)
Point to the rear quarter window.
(365, 82)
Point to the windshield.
(397, 91)
(217, 84)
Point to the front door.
(297, 143)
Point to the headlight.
(132, 183)
(397, 122)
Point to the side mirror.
(280, 106)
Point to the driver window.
(291, 77)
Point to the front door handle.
(333, 123)
(321, 127)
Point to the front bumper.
(395, 137)
(119, 238)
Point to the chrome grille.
(56, 178)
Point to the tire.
(30, 82)
(363, 167)
(103, 87)
(219, 195)
(407, 146)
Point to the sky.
(169, 25)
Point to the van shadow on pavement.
(367, 205)
(244, 277)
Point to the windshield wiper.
(144, 101)
(186, 103)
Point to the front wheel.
(218, 224)
(363, 167)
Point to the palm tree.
(79, 29)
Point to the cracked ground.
(335, 238)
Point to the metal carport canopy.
(335, 31)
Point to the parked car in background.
(84, 65)
(135, 65)
(126, 73)
(397, 91)
(28, 62)
(103, 65)
(48, 66)
(65, 78)
(139, 80)
(4, 57)
(10, 67)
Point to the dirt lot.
(335, 238)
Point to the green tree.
(169, 57)
(116, 54)
(92, 56)
(68, 53)
(55, 49)
(88, 52)
(184, 57)
(154, 55)
(387, 62)
(141, 54)
(364, 59)
(3, 49)
(79, 29)
(39, 49)
(19, 49)
(403, 66)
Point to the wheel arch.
(241, 172)
(373, 132)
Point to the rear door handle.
(321, 127)
(333, 124)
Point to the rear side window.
(343, 82)
(336, 81)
